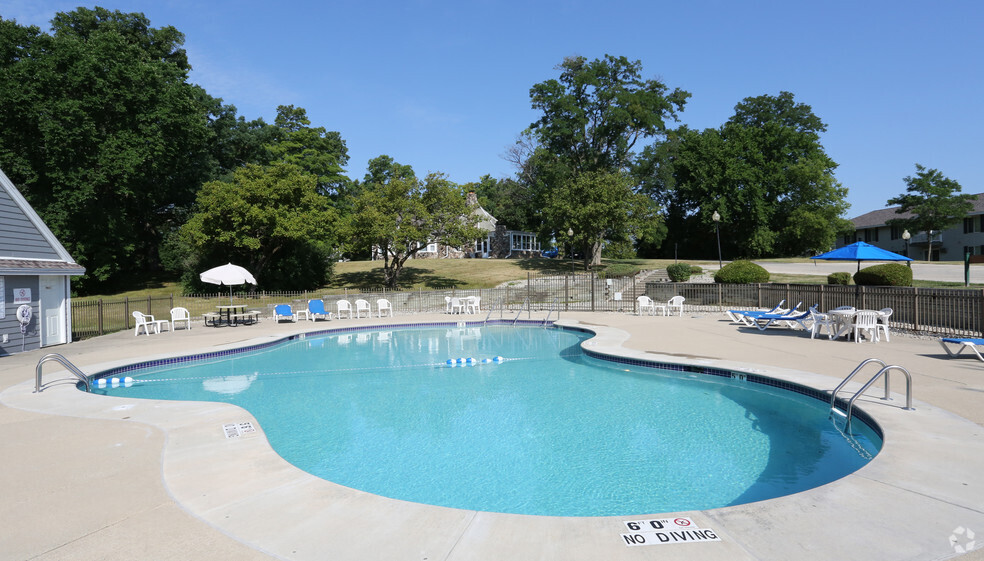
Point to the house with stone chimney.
(499, 242)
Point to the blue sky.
(444, 85)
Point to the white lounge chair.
(675, 303)
(344, 307)
(180, 314)
(362, 306)
(384, 305)
(147, 322)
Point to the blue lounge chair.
(965, 343)
(316, 309)
(801, 319)
(738, 316)
(283, 311)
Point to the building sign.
(664, 531)
(22, 296)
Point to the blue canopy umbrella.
(860, 251)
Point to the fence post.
(100, 308)
(126, 311)
(567, 292)
(592, 280)
(529, 290)
(915, 309)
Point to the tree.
(598, 207)
(511, 202)
(313, 149)
(594, 114)
(934, 201)
(765, 173)
(102, 133)
(271, 220)
(400, 215)
(592, 117)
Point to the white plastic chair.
(362, 306)
(821, 322)
(645, 302)
(178, 315)
(472, 304)
(147, 322)
(675, 303)
(447, 304)
(457, 306)
(867, 321)
(382, 305)
(344, 307)
(884, 315)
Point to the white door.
(51, 294)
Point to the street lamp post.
(570, 236)
(717, 227)
(905, 236)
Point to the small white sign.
(235, 430)
(22, 296)
(663, 531)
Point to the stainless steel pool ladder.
(553, 306)
(492, 308)
(885, 369)
(64, 362)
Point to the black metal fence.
(937, 311)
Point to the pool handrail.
(64, 362)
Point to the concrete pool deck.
(96, 477)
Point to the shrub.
(889, 274)
(839, 278)
(618, 270)
(741, 272)
(678, 272)
(696, 270)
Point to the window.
(968, 249)
(969, 224)
(896, 233)
(521, 241)
(871, 234)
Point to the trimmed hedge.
(741, 272)
(679, 272)
(839, 278)
(696, 270)
(889, 274)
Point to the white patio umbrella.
(228, 275)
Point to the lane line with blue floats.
(469, 361)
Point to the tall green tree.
(593, 116)
(316, 150)
(400, 215)
(103, 134)
(764, 171)
(599, 207)
(935, 202)
(271, 220)
(596, 111)
(511, 202)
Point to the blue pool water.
(548, 431)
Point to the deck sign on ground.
(663, 531)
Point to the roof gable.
(881, 217)
(24, 237)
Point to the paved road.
(920, 271)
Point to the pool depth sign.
(662, 531)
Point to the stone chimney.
(471, 199)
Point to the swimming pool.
(547, 431)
